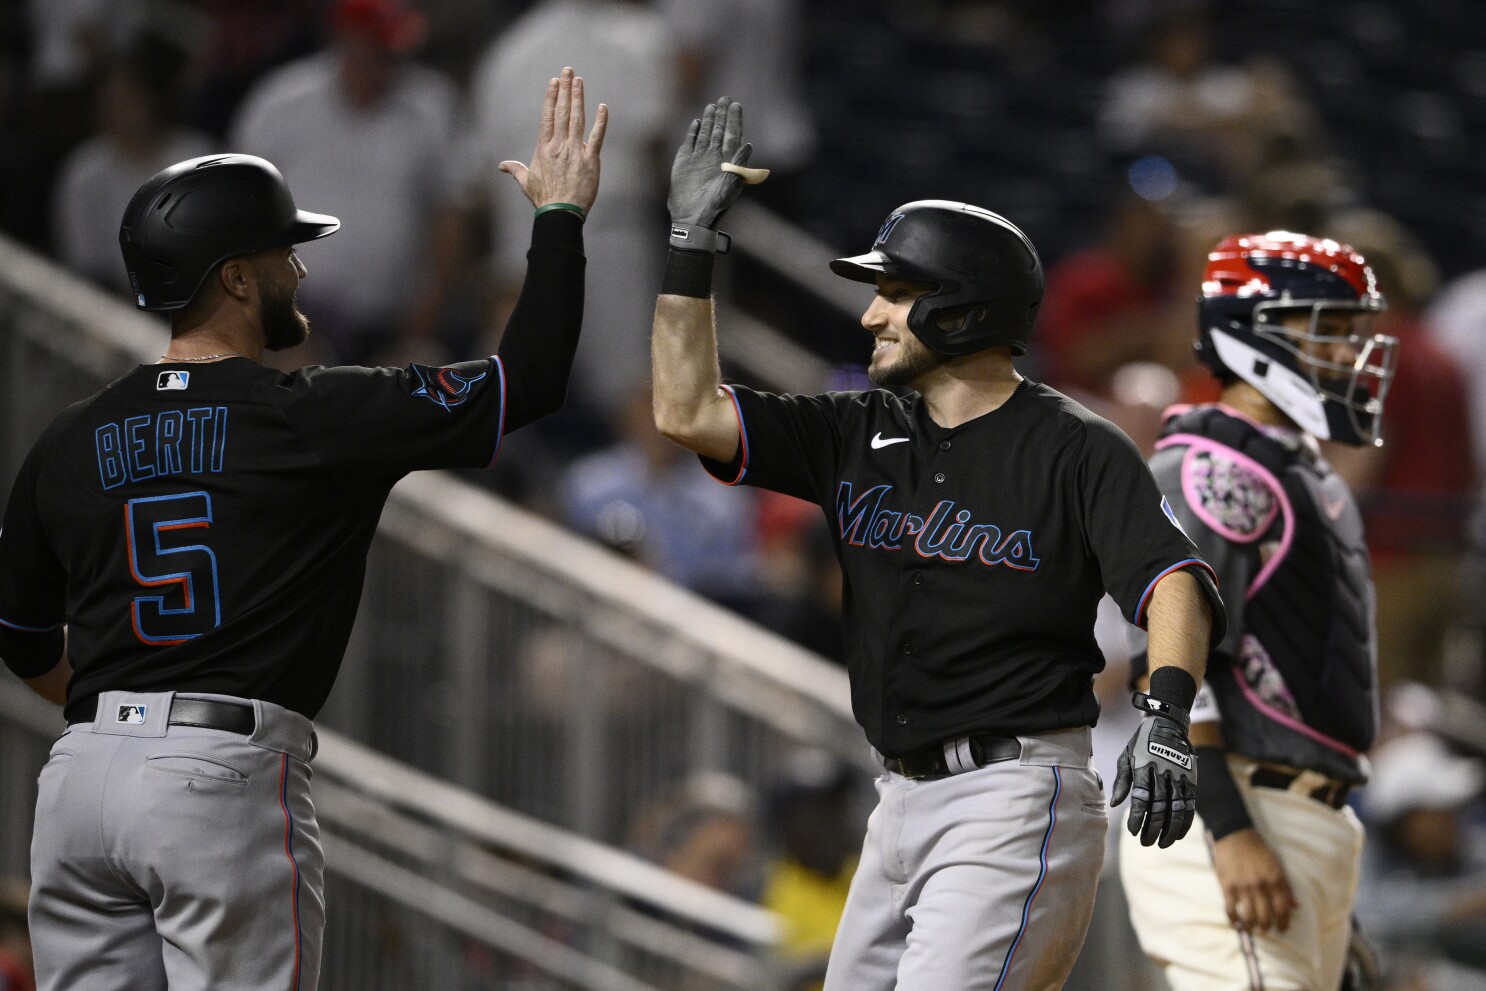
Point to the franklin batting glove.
(1158, 771)
(701, 189)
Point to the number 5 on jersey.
(159, 530)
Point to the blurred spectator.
(752, 51)
(365, 131)
(240, 41)
(627, 59)
(1216, 122)
(1106, 305)
(1415, 491)
(136, 137)
(65, 45)
(703, 829)
(1423, 892)
(16, 971)
(803, 599)
(644, 496)
(1456, 321)
(816, 840)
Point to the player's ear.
(237, 278)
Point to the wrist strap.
(570, 207)
(691, 237)
(1156, 707)
(688, 273)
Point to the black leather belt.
(933, 762)
(232, 717)
(1332, 792)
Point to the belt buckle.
(1310, 783)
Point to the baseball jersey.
(204, 527)
(973, 557)
(1294, 677)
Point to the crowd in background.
(1124, 137)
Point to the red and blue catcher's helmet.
(986, 273)
(1332, 385)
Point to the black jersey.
(205, 528)
(974, 557)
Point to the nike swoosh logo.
(880, 442)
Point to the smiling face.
(899, 358)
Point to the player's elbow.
(705, 428)
(677, 424)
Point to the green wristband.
(570, 207)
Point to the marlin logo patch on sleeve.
(1171, 515)
(444, 387)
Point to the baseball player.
(978, 518)
(191, 543)
(1289, 704)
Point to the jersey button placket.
(939, 476)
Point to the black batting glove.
(701, 190)
(1158, 771)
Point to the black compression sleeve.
(1218, 801)
(30, 655)
(541, 337)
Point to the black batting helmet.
(987, 274)
(189, 218)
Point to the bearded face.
(284, 326)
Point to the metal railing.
(492, 647)
(431, 886)
(533, 677)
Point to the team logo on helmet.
(887, 228)
(444, 386)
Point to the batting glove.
(701, 189)
(1159, 773)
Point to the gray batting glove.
(1158, 771)
(701, 191)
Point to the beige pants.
(1176, 904)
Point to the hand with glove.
(1158, 770)
(707, 175)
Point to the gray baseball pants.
(177, 857)
(980, 881)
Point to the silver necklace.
(205, 357)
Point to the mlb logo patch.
(172, 381)
(133, 715)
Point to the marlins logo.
(444, 386)
(887, 229)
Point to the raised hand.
(563, 169)
(708, 173)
